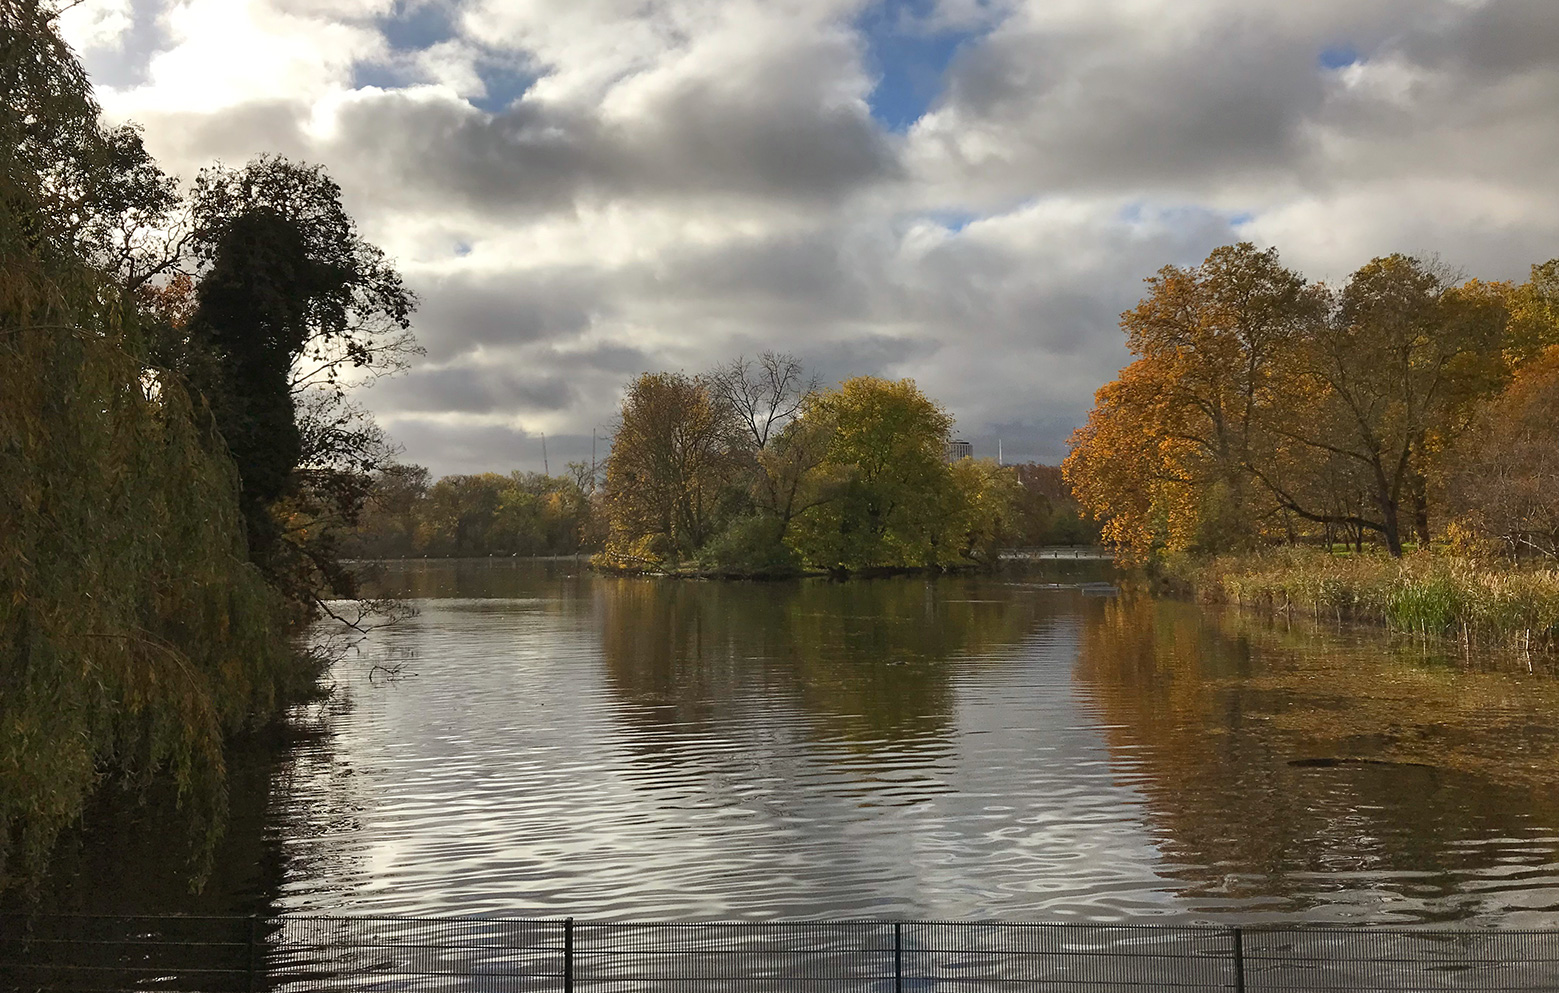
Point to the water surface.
(538, 740)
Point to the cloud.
(967, 192)
(475, 390)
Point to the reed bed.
(1429, 594)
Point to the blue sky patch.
(1337, 56)
(505, 84)
(377, 74)
(909, 58)
(415, 26)
(953, 220)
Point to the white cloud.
(231, 52)
(94, 24)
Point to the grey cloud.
(1491, 40)
(775, 130)
(1216, 96)
(609, 359)
(428, 150)
(778, 281)
(472, 389)
(185, 142)
(1083, 111)
(447, 448)
(463, 311)
(1012, 294)
(865, 355)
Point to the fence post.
(254, 931)
(568, 955)
(898, 957)
(1239, 960)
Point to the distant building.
(959, 450)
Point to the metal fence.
(247, 955)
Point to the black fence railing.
(249, 955)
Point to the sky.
(965, 192)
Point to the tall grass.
(1426, 593)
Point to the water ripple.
(621, 749)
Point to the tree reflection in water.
(1285, 763)
(871, 660)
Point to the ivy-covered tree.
(294, 309)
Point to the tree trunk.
(1420, 510)
(1389, 517)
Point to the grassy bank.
(1426, 593)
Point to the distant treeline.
(1405, 406)
(522, 513)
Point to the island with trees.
(750, 470)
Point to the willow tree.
(133, 633)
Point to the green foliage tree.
(522, 513)
(891, 481)
(751, 470)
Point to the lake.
(1028, 745)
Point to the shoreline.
(1425, 594)
(1056, 553)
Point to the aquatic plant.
(1426, 593)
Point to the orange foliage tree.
(1261, 407)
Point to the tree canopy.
(752, 469)
(1260, 408)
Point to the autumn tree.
(1165, 456)
(1260, 407)
(1534, 314)
(1379, 387)
(674, 454)
(1503, 480)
